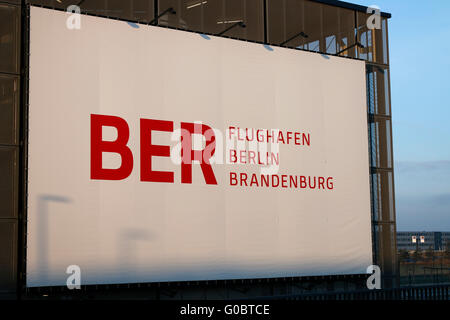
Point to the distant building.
(416, 240)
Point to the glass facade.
(302, 24)
(214, 16)
(10, 22)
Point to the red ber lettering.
(187, 154)
(98, 146)
(149, 150)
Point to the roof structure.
(351, 6)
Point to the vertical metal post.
(23, 154)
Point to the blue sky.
(419, 39)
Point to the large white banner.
(163, 155)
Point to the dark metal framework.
(380, 152)
(417, 293)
